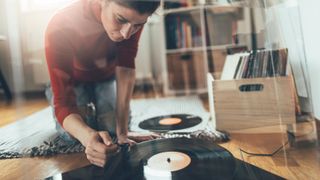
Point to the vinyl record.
(170, 122)
(173, 159)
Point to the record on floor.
(172, 159)
(170, 122)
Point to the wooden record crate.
(234, 109)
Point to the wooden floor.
(290, 163)
(20, 108)
(25, 106)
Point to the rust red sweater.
(79, 50)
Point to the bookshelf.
(196, 38)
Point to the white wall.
(157, 42)
(310, 15)
(143, 63)
(33, 25)
(149, 63)
(14, 51)
(22, 54)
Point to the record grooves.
(208, 161)
(170, 122)
(196, 160)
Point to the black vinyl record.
(154, 124)
(208, 161)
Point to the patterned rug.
(36, 134)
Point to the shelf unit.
(187, 46)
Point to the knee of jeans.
(48, 94)
(106, 96)
(107, 122)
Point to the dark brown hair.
(141, 6)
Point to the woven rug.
(36, 134)
(149, 108)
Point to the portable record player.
(173, 159)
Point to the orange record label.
(170, 121)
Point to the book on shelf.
(180, 4)
(182, 32)
(222, 25)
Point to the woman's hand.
(98, 144)
(124, 139)
(99, 147)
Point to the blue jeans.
(103, 96)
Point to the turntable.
(173, 159)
